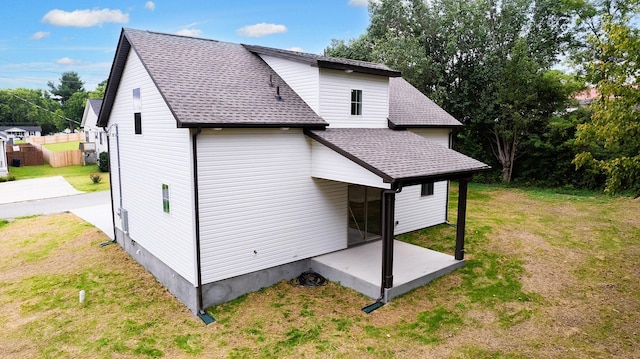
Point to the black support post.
(462, 216)
(388, 206)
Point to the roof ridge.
(128, 29)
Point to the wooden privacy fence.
(26, 155)
(45, 140)
(62, 158)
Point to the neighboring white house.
(233, 165)
(93, 133)
(21, 132)
(4, 169)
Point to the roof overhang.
(115, 76)
(399, 158)
(326, 62)
(394, 126)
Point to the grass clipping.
(547, 276)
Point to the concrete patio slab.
(360, 268)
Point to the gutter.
(206, 318)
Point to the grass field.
(62, 146)
(547, 276)
(77, 176)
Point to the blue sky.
(39, 40)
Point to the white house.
(4, 169)
(93, 133)
(234, 165)
(21, 132)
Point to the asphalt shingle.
(213, 83)
(96, 104)
(397, 156)
(325, 61)
(408, 107)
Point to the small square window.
(165, 198)
(356, 102)
(427, 189)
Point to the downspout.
(388, 209)
(113, 215)
(388, 214)
(196, 207)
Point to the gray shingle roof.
(408, 107)
(398, 156)
(25, 128)
(209, 83)
(326, 61)
(96, 104)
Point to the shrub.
(95, 178)
(103, 162)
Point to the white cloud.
(84, 18)
(150, 5)
(68, 61)
(295, 48)
(40, 35)
(189, 32)
(358, 3)
(261, 29)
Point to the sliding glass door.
(364, 214)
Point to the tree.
(98, 93)
(483, 61)
(28, 107)
(615, 123)
(74, 108)
(70, 83)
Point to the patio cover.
(397, 158)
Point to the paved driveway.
(55, 195)
(32, 189)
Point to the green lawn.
(547, 275)
(77, 176)
(62, 146)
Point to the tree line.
(494, 66)
(59, 108)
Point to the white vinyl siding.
(414, 211)
(328, 164)
(335, 99)
(439, 135)
(161, 155)
(259, 205)
(302, 78)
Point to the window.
(137, 108)
(165, 198)
(137, 119)
(427, 189)
(356, 102)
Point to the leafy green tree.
(98, 93)
(615, 124)
(483, 61)
(70, 83)
(74, 108)
(28, 107)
